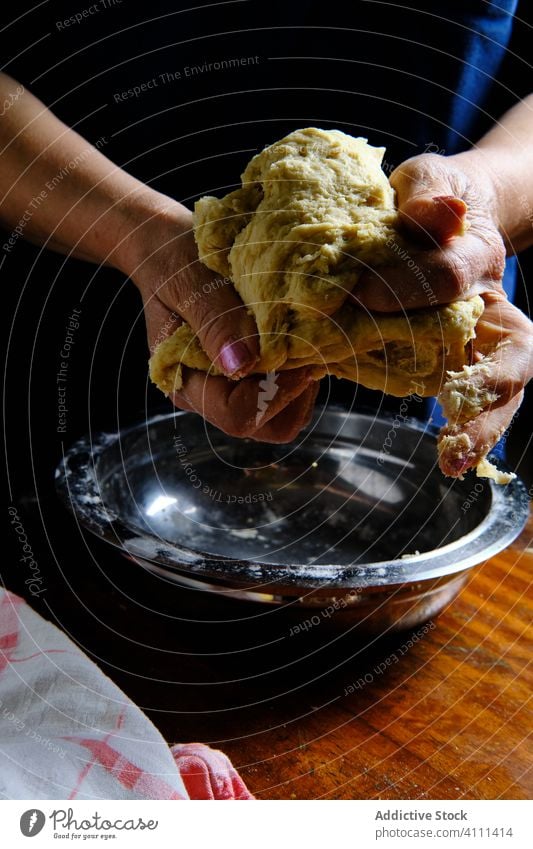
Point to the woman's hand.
(504, 335)
(436, 197)
(105, 215)
(162, 260)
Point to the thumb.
(211, 306)
(227, 332)
(429, 212)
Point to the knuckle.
(456, 272)
(497, 264)
(237, 420)
(524, 342)
(185, 289)
(239, 429)
(206, 320)
(413, 166)
(173, 293)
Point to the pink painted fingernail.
(234, 357)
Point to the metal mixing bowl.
(353, 517)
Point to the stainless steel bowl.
(354, 517)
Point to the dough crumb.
(486, 469)
(465, 395)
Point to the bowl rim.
(503, 522)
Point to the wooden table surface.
(312, 714)
(450, 719)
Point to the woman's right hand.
(162, 260)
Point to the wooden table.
(450, 719)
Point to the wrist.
(481, 172)
(491, 168)
(148, 224)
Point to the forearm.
(59, 190)
(505, 155)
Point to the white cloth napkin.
(67, 732)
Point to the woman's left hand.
(437, 196)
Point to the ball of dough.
(313, 212)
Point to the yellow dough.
(400, 355)
(315, 209)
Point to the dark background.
(186, 138)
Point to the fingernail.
(234, 357)
(456, 205)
